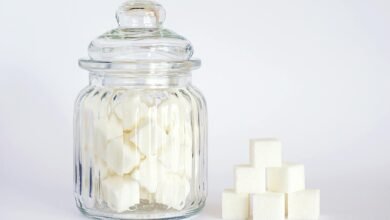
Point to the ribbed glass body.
(140, 147)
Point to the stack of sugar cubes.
(142, 151)
(270, 189)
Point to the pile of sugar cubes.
(141, 150)
(270, 189)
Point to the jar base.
(96, 214)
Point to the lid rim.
(156, 67)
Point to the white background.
(314, 73)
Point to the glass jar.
(140, 146)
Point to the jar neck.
(104, 79)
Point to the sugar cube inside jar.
(140, 125)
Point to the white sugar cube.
(101, 169)
(131, 110)
(120, 157)
(266, 152)
(105, 130)
(172, 112)
(177, 154)
(93, 109)
(95, 104)
(100, 172)
(120, 193)
(288, 178)
(304, 205)
(113, 128)
(149, 139)
(151, 172)
(172, 191)
(249, 179)
(268, 206)
(177, 158)
(169, 114)
(235, 206)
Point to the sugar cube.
(177, 158)
(268, 206)
(172, 191)
(106, 129)
(149, 139)
(266, 152)
(131, 110)
(173, 112)
(101, 170)
(304, 205)
(290, 177)
(249, 179)
(151, 172)
(235, 206)
(120, 193)
(120, 157)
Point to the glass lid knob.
(140, 14)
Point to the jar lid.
(140, 43)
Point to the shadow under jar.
(140, 148)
